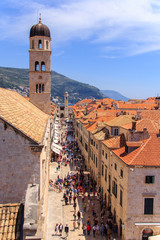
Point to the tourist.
(56, 229)
(66, 229)
(74, 225)
(74, 205)
(79, 222)
(88, 229)
(60, 229)
(84, 228)
(94, 231)
(78, 214)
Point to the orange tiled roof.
(10, 221)
(120, 120)
(113, 142)
(148, 154)
(22, 115)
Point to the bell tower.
(66, 104)
(40, 67)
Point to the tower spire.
(40, 19)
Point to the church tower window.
(36, 66)
(42, 66)
(36, 88)
(40, 44)
(42, 87)
(39, 88)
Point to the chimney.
(134, 126)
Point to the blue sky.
(111, 44)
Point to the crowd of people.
(80, 189)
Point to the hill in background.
(114, 95)
(18, 79)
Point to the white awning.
(148, 224)
(56, 148)
(154, 237)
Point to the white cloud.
(131, 25)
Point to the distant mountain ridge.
(114, 95)
(17, 78)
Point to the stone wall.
(137, 191)
(19, 164)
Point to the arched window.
(32, 44)
(42, 66)
(42, 87)
(46, 44)
(39, 44)
(39, 88)
(36, 66)
(36, 88)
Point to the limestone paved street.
(58, 212)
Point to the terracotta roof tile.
(10, 221)
(148, 154)
(113, 142)
(22, 114)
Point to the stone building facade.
(129, 169)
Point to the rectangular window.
(148, 206)
(102, 170)
(91, 141)
(149, 179)
(121, 173)
(86, 147)
(114, 188)
(103, 152)
(115, 166)
(96, 146)
(121, 198)
(106, 155)
(115, 131)
(106, 175)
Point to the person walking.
(78, 214)
(66, 229)
(60, 229)
(79, 223)
(84, 228)
(88, 229)
(56, 229)
(74, 205)
(74, 225)
(94, 231)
